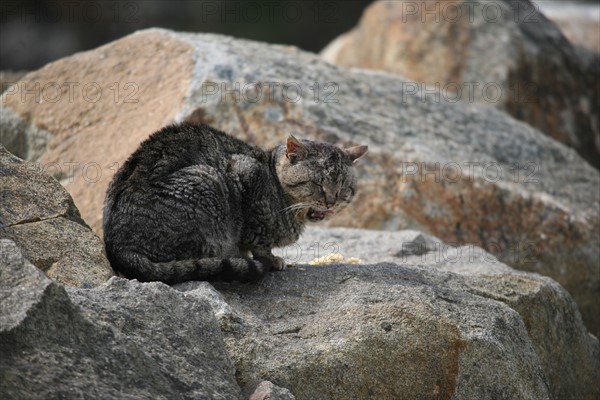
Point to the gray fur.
(192, 203)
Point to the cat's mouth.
(316, 215)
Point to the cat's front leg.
(278, 263)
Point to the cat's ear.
(295, 150)
(356, 153)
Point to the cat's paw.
(278, 263)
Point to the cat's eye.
(319, 187)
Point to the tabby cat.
(193, 203)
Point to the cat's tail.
(137, 266)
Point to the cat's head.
(318, 177)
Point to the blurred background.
(35, 32)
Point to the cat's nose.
(329, 198)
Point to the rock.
(550, 316)
(397, 330)
(577, 21)
(268, 391)
(519, 60)
(229, 319)
(124, 340)
(8, 78)
(408, 327)
(492, 181)
(39, 215)
(322, 334)
(22, 138)
(366, 245)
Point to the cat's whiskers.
(297, 207)
(298, 211)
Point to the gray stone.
(39, 215)
(9, 78)
(124, 340)
(512, 58)
(268, 391)
(29, 194)
(229, 319)
(578, 21)
(367, 245)
(570, 356)
(383, 331)
(21, 137)
(461, 323)
(444, 321)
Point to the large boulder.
(548, 312)
(504, 53)
(464, 173)
(405, 328)
(39, 215)
(396, 330)
(124, 340)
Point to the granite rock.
(500, 53)
(39, 215)
(123, 340)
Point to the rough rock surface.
(39, 215)
(22, 138)
(394, 331)
(124, 340)
(492, 181)
(268, 391)
(548, 312)
(577, 21)
(8, 78)
(519, 59)
(407, 329)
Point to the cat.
(193, 203)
